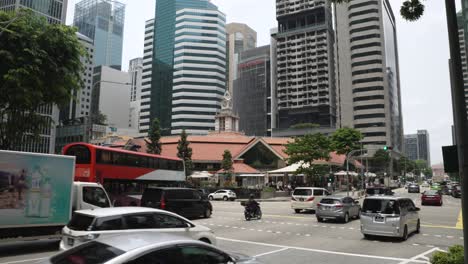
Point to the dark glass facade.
(252, 91)
(53, 10)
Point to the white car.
(307, 198)
(87, 225)
(222, 195)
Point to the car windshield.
(151, 195)
(80, 222)
(89, 253)
(383, 206)
(304, 192)
(431, 192)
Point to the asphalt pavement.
(283, 236)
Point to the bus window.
(82, 154)
(163, 164)
(103, 156)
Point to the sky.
(422, 46)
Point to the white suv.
(222, 195)
(87, 225)
(306, 198)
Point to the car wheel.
(207, 213)
(232, 199)
(346, 218)
(319, 219)
(358, 216)
(210, 198)
(225, 198)
(297, 211)
(441, 203)
(418, 227)
(366, 236)
(206, 240)
(405, 234)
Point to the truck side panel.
(35, 190)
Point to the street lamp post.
(459, 112)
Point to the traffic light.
(387, 148)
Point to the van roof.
(307, 188)
(170, 188)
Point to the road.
(285, 237)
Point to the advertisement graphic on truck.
(35, 189)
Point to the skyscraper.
(199, 70)
(80, 104)
(144, 122)
(135, 70)
(54, 10)
(239, 37)
(417, 146)
(305, 68)
(103, 22)
(194, 46)
(368, 72)
(252, 92)
(463, 51)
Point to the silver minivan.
(389, 216)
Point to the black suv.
(189, 203)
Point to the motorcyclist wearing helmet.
(252, 205)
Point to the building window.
(222, 124)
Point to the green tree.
(153, 145)
(185, 152)
(226, 165)
(410, 10)
(345, 140)
(99, 118)
(40, 66)
(305, 150)
(420, 166)
(405, 165)
(381, 160)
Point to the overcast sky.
(423, 52)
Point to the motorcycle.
(251, 213)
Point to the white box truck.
(38, 195)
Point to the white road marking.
(449, 236)
(323, 251)
(415, 258)
(271, 252)
(24, 260)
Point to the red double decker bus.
(124, 174)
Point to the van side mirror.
(356, 202)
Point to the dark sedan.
(413, 188)
(431, 197)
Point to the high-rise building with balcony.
(462, 23)
(369, 96)
(252, 92)
(103, 22)
(239, 37)
(54, 10)
(183, 56)
(305, 67)
(144, 120)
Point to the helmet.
(251, 196)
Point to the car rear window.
(179, 194)
(302, 192)
(90, 253)
(330, 201)
(382, 206)
(151, 195)
(431, 192)
(80, 222)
